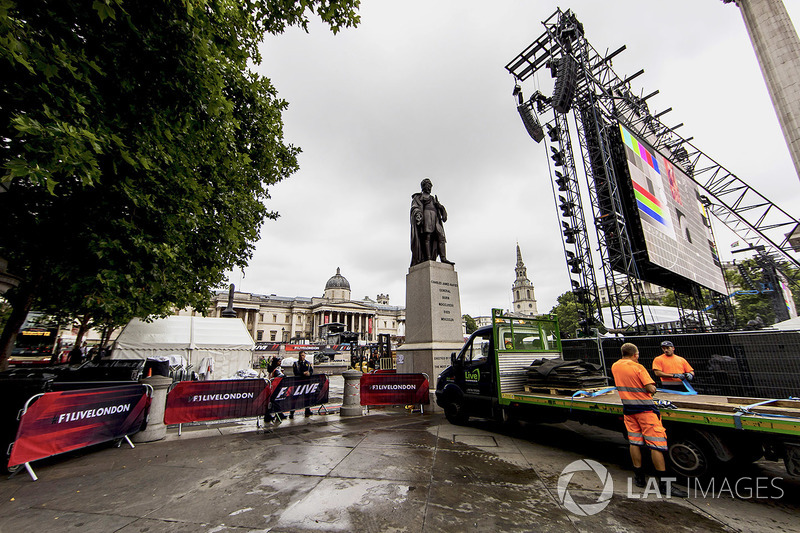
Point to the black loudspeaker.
(566, 78)
(530, 121)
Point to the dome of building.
(337, 282)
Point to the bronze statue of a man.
(427, 226)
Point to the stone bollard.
(351, 403)
(156, 430)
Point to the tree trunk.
(82, 328)
(20, 305)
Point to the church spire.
(522, 272)
(522, 290)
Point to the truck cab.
(468, 384)
(493, 360)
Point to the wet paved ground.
(388, 471)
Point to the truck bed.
(782, 416)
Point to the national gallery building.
(309, 320)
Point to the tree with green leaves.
(470, 324)
(137, 149)
(670, 299)
(566, 309)
(747, 307)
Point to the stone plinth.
(155, 430)
(433, 321)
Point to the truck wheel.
(455, 413)
(691, 456)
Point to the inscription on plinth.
(433, 319)
(433, 304)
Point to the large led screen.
(674, 223)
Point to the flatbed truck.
(488, 378)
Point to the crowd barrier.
(394, 389)
(295, 393)
(53, 423)
(200, 401)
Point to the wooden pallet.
(557, 391)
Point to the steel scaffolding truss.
(577, 247)
(601, 100)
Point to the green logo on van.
(475, 375)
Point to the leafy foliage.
(137, 147)
(470, 324)
(566, 309)
(748, 307)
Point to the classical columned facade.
(272, 318)
(356, 321)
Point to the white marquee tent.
(225, 341)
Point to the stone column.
(433, 321)
(155, 430)
(777, 48)
(351, 403)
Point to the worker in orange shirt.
(672, 369)
(642, 418)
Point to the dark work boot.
(638, 478)
(308, 412)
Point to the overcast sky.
(419, 89)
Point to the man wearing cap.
(672, 369)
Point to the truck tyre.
(455, 413)
(691, 455)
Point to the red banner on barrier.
(60, 422)
(394, 389)
(290, 394)
(195, 401)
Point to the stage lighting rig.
(561, 181)
(565, 206)
(574, 262)
(557, 157)
(569, 27)
(553, 132)
(581, 294)
(569, 233)
(541, 100)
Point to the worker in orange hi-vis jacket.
(672, 369)
(642, 417)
